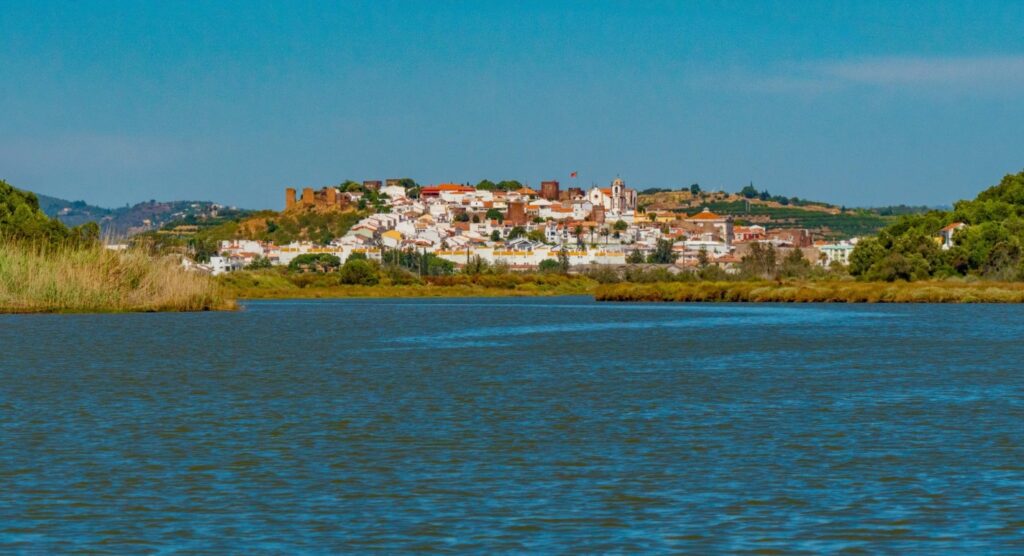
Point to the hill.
(773, 211)
(130, 220)
(201, 237)
(988, 240)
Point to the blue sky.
(859, 103)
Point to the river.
(514, 425)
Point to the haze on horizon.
(859, 103)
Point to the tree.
(495, 235)
(22, 219)
(749, 191)
(662, 253)
(703, 260)
(314, 262)
(563, 260)
(695, 189)
(537, 236)
(508, 185)
(795, 265)
(495, 214)
(635, 257)
(516, 232)
(359, 272)
(486, 185)
(620, 226)
(476, 265)
(259, 263)
(760, 261)
(549, 266)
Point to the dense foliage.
(21, 219)
(991, 246)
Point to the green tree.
(314, 262)
(495, 214)
(495, 235)
(259, 263)
(516, 232)
(662, 253)
(795, 265)
(359, 272)
(563, 260)
(620, 226)
(750, 192)
(695, 189)
(486, 185)
(635, 257)
(703, 259)
(549, 266)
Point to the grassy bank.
(272, 284)
(835, 291)
(70, 279)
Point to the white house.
(948, 232)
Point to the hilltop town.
(521, 227)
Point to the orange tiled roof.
(705, 215)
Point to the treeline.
(21, 219)
(991, 246)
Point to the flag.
(573, 175)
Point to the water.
(514, 426)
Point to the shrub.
(359, 272)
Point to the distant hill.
(135, 219)
(775, 211)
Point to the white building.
(836, 253)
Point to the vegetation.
(991, 246)
(846, 224)
(48, 267)
(37, 278)
(277, 284)
(822, 291)
(280, 228)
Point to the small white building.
(836, 253)
(947, 234)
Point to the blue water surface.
(514, 425)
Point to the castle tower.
(549, 190)
(289, 198)
(308, 199)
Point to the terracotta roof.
(953, 226)
(705, 215)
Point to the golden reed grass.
(817, 292)
(73, 279)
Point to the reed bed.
(271, 284)
(75, 279)
(817, 292)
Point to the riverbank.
(91, 279)
(825, 291)
(271, 284)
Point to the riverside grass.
(823, 291)
(275, 285)
(91, 279)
